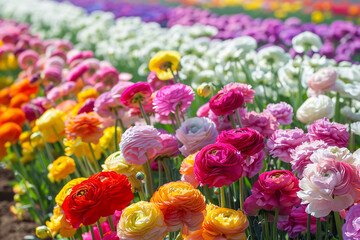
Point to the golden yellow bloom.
(226, 223)
(58, 224)
(163, 61)
(42, 232)
(59, 199)
(19, 189)
(18, 211)
(107, 140)
(79, 149)
(142, 221)
(317, 17)
(204, 90)
(86, 94)
(116, 162)
(50, 122)
(28, 152)
(11, 61)
(61, 168)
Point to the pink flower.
(77, 72)
(218, 165)
(196, 133)
(274, 189)
(253, 164)
(119, 88)
(297, 222)
(302, 153)
(324, 79)
(282, 111)
(105, 226)
(171, 97)
(334, 134)
(281, 142)
(265, 123)
(75, 56)
(155, 82)
(28, 58)
(61, 91)
(203, 111)
(246, 140)
(245, 89)
(329, 186)
(105, 105)
(88, 106)
(351, 228)
(109, 76)
(223, 122)
(138, 141)
(225, 102)
(170, 145)
(53, 74)
(138, 92)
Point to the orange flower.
(187, 170)
(4, 96)
(14, 115)
(9, 132)
(181, 205)
(3, 151)
(18, 100)
(23, 86)
(66, 106)
(87, 126)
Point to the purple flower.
(351, 228)
(282, 111)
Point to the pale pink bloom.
(245, 89)
(264, 122)
(282, 111)
(281, 142)
(333, 153)
(253, 164)
(139, 141)
(324, 79)
(203, 111)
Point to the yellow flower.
(58, 224)
(61, 168)
(86, 94)
(317, 17)
(24, 136)
(116, 162)
(163, 61)
(36, 139)
(28, 152)
(204, 90)
(19, 189)
(11, 61)
(18, 211)
(280, 13)
(59, 199)
(226, 223)
(79, 149)
(142, 221)
(107, 140)
(42, 232)
(51, 124)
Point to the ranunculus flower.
(138, 141)
(187, 170)
(61, 168)
(225, 102)
(9, 132)
(323, 80)
(334, 134)
(265, 123)
(329, 186)
(245, 89)
(181, 204)
(66, 190)
(49, 122)
(253, 164)
(142, 221)
(162, 62)
(218, 164)
(274, 189)
(28, 58)
(172, 97)
(14, 115)
(351, 228)
(169, 143)
(300, 156)
(246, 140)
(315, 108)
(282, 111)
(282, 141)
(196, 133)
(138, 92)
(155, 82)
(203, 111)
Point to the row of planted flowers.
(340, 38)
(82, 136)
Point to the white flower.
(350, 114)
(315, 108)
(272, 58)
(355, 128)
(306, 41)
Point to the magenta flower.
(301, 155)
(218, 165)
(119, 88)
(171, 97)
(265, 123)
(253, 164)
(203, 111)
(139, 141)
(282, 142)
(351, 228)
(225, 102)
(245, 89)
(28, 58)
(334, 134)
(105, 226)
(282, 111)
(246, 140)
(77, 72)
(274, 189)
(88, 106)
(138, 92)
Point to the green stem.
(208, 194)
(112, 226)
(100, 229)
(338, 225)
(177, 115)
(275, 235)
(59, 138)
(318, 229)
(122, 126)
(308, 232)
(222, 196)
(96, 163)
(144, 113)
(238, 118)
(160, 172)
(141, 195)
(174, 126)
(337, 108)
(233, 124)
(92, 232)
(167, 171)
(267, 235)
(241, 187)
(174, 76)
(116, 146)
(22, 167)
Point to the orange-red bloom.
(18, 100)
(87, 126)
(4, 96)
(14, 115)
(9, 132)
(23, 86)
(181, 204)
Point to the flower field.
(134, 121)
